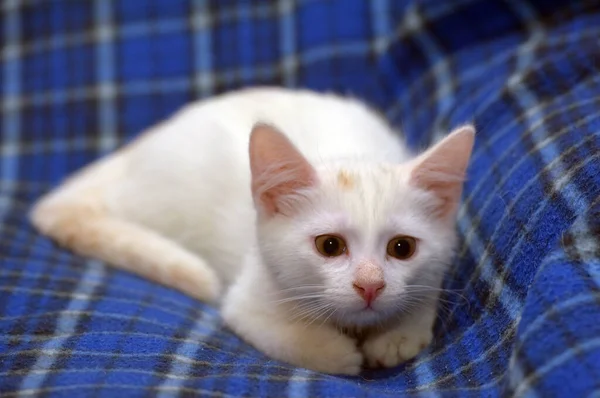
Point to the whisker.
(298, 298)
(307, 311)
(319, 314)
(456, 292)
(329, 316)
(301, 307)
(307, 316)
(430, 288)
(301, 287)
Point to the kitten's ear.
(441, 169)
(279, 171)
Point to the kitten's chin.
(362, 318)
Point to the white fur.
(176, 206)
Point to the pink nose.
(369, 290)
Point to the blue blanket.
(521, 316)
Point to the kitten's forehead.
(367, 193)
(365, 178)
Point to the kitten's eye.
(402, 247)
(330, 245)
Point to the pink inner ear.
(441, 169)
(279, 171)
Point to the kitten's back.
(321, 126)
(171, 203)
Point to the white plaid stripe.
(204, 327)
(534, 126)
(107, 89)
(477, 70)
(92, 278)
(287, 42)
(524, 387)
(569, 305)
(571, 177)
(10, 93)
(526, 53)
(438, 61)
(298, 386)
(561, 179)
(202, 22)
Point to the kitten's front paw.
(395, 346)
(338, 355)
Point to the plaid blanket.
(521, 315)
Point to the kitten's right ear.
(441, 169)
(279, 171)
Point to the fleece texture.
(522, 313)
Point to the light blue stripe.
(173, 85)
(524, 389)
(324, 52)
(5, 204)
(174, 25)
(577, 200)
(425, 376)
(287, 42)
(533, 129)
(381, 21)
(40, 147)
(556, 310)
(443, 95)
(438, 64)
(478, 69)
(10, 93)
(506, 296)
(244, 29)
(526, 53)
(516, 373)
(526, 100)
(310, 56)
(199, 332)
(147, 28)
(298, 383)
(203, 62)
(138, 29)
(106, 75)
(593, 267)
(66, 324)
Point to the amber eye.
(330, 245)
(402, 247)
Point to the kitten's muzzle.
(368, 281)
(369, 291)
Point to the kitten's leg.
(131, 247)
(319, 348)
(402, 342)
(76, 218)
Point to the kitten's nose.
(369, 290)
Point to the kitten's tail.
(77, 217)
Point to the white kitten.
(328, 234)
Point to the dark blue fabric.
(522, 313)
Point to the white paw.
(334, 355)
(396, 346)
(321, 349)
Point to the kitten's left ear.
(441, 169)
(279, 171)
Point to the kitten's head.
(356, 242)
